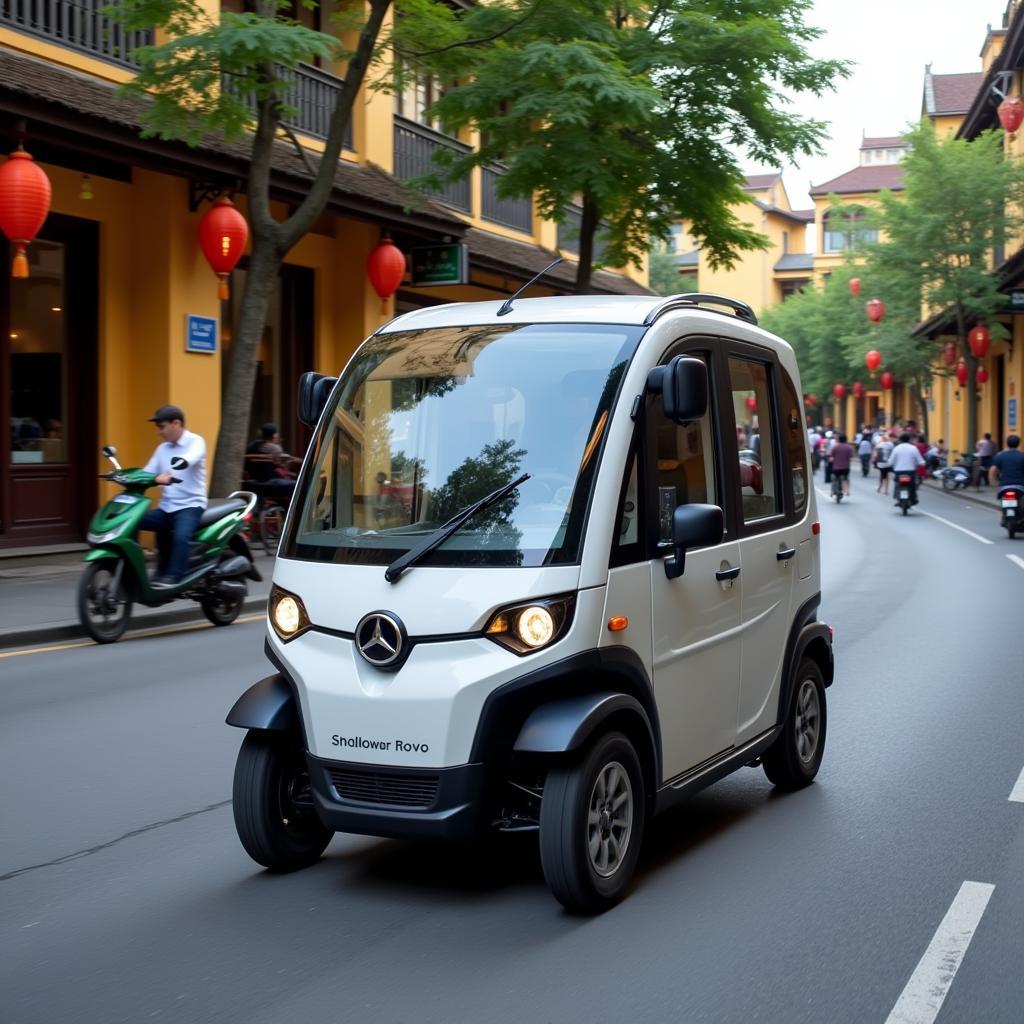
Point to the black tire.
(220, 610)
(609, 770)
(273, 811)
(271, 524)
(906, 508)
(104, 613)
(1012, 531)
(949, 483)
(793, 760)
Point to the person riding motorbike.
(906, 458)
(1008, 466)
(180, 457)
(840, 457)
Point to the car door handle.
(724, 575)
(785, 554)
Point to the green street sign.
(440, 264)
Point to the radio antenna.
(506, 306)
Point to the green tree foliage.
(961, 200)
(640, 110)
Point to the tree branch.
(303, 155)
(472, 42)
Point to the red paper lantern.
(979, 340)
(751, 402)
(873, 360)
(949, 354)
(887, 380)
(858, 389)
(839, 390)
(24, 203)
(223, 233)
(982, 375)
(876, 310)
(386, 267)
(1011, 114)
(961, 373)
(855, 286)
(810, 400)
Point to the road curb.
(58, 631)
(973, 497)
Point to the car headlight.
(526, 628)
(287, 614)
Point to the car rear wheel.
(793, 760)
(273, 805)
(591, 825)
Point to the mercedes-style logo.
(381, 640)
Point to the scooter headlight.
(526, 628)
(287, 614)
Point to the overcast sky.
(889, 42)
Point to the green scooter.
(115, 574)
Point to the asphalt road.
(125, 896)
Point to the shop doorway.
(48, 387)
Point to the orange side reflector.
(618, 623)
(815, 528)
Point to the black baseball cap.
(166, 413)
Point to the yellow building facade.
(100, 333)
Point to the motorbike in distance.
(904, 491)
(1010, 497)
(115, 576)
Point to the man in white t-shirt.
(181, 458)
(906, 458)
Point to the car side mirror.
(683, 384)
(693, 526)
(314, 390)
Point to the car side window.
(794, 437)
(751, 400)
(683, 464)
(628, 532)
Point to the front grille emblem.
(381, 640)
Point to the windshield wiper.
(394, 571)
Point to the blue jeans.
(173, 532)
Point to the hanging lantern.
(961, 373)
(876, 310)
(810, 400)
(24, 203)
(858, 389)
(855, 286)
(839, 390)
(949, 354)
(887, 380)
(982, 375)
(386, 267)
(223, 233)
(979, 340)
(1011, 114)
(873, 360)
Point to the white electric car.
(527, 582)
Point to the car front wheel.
(793, 760)
(591, 825)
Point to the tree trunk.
(588, 230)
(969, 391)
(922, 410)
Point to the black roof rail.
(693, 299)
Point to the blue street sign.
(200, 334)
(1011, 413)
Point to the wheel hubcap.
(808, 721)
(609, 819)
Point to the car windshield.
(424, 423)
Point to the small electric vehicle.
(527, 583)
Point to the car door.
(767, 537)
(695, 617)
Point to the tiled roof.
(757, 182)
(807, 216)
(953, 94)
(802, 216)
(795, 261)
(863, 179)
(883, 142)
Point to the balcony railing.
(512, 213)
(569, 234)
(415, 146)
(311, 93)
(76, 24)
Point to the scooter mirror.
(109, 450)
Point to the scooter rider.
(906, 458)
(181, 456)
(1008, 466)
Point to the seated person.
(267, 465)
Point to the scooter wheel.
(103, 611)
(222, 611)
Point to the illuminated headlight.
(287, 615)
(526, 628)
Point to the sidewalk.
(985, 496)
(38, 600)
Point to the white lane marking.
(962, 529)
(925, 992)
(1017, 560)
(1017, 794)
